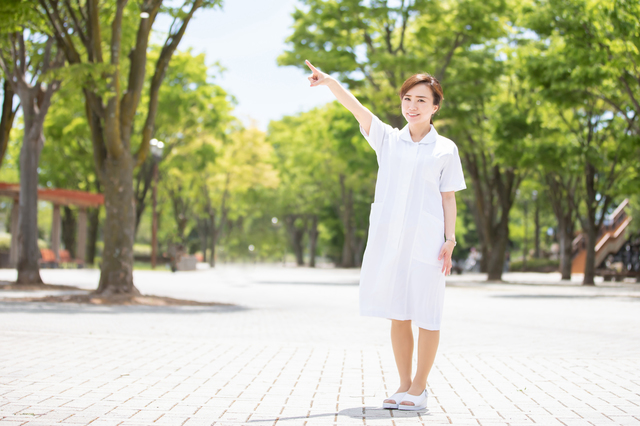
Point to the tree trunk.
(94, 222)
(590, 223)
(181, 212)
(347, 220)
(313, 240)
(214, 239)
(566, 251)
(478, 220)
(203, 231)
(216, 231)
(536, 221)
(484, 257)
(562, 196)
(28, 251)
(298, 247)
(590, 261)
(116, 273)
(69, 231)
(360, 246)
(35, 100)
(142, 185)
(494, 194)
(6, 120)
(296, 234)
(495, 261)
(524, 244)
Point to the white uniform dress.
(401, 276)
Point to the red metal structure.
(611, 238)
(59, 197)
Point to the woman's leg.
(427, 347)
(402, 342)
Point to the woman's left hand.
(445, 253)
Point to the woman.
(407, 254)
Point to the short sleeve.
(377, 133)
(452, 178)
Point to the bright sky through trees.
(246, 37)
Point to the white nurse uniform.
(401, 276)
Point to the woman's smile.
(417, 105)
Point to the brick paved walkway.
(295, 352)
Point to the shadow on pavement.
(357, 413)
(306, 282)
(74, 308)
(565, 296)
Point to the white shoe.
(397, 397)
(419, 402)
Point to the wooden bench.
(67, 260)
(48, 259)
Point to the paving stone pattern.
(294, 351)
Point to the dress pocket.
(429, 239)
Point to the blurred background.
(209, 126)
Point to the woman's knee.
(400, 323)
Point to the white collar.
(429, 138)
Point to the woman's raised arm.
(362, 114)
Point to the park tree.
(190, 106)
(355, 168)
(560, 169)
(324, 164)
(67, 162)
(94, 37)
(29, 59)
(589, 67)
(9, 12)
(374, 47)
(303, 154)
(491, 112)
(243, 165)
(297, 166)
(209, 179)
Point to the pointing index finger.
(306, 61)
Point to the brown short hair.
(428, 80)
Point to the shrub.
(535, 265)
(5, 241)
(142, 250)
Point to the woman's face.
(417, 105)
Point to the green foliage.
(5, 241)
(531, 89)
(319, 151)
(10, 170)
(535, 265)
(585, 64)
(141, 249)
(374, 48)
(190, 103)
(67, 156)
(18, 14)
